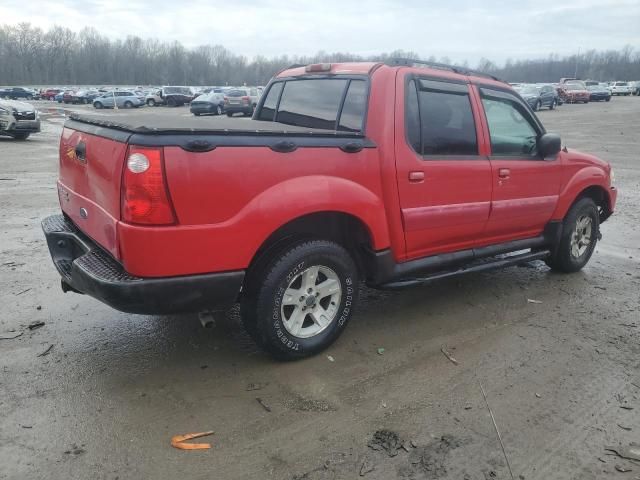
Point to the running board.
(488, 264)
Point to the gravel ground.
(94, 393)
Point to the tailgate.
(89, 182)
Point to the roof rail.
(410, 62)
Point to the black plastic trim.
(384, 269)
(86, 268)
(99, 131)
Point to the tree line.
(60, 56)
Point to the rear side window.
(353, 108)
(439, 119)
(328, 104)
(268, 110)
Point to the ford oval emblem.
(84, 213)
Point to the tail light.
(226, 99)
(246, 99)
(145, 196)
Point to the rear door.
(525, 185)
(443, 182)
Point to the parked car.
(241, 100)
(635, 86)
(14, 93)
(598, 93)
(60, 95)
(18, 119)
(575, 92)
(325, 187)
(210, 103)
(67, 96)
(621, 88)
(123, 99)
(538, 96)
(84, 96)
(50, 93)
(171, 95)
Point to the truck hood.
(15, 105)
(575, 156)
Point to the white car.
(18, 119)
(621, 88)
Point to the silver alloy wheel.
(581, 236)
(311, 301)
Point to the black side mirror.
(549, 145)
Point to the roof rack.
(410, 62)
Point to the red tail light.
(145, 196)
(246, 99)
(226, 99)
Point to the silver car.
(123, 99)
(18, 119)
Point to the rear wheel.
(229, 114)
(580, 230)
(299, 302)
(128, 104)
(172, 102)
(218, 110)
(98, 105)
(151, 102)
(21, 136)
(536, 107)
(552, 105)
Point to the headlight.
(4, 111)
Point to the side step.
(488, 264)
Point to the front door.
(444, 184)
(525, 185)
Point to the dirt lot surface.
(98, 394)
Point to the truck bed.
(145, 121)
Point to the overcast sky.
(458, 29)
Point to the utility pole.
(575, 74)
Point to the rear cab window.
(324, 103)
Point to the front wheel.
(218, 110)
(151, 102)
(300, 302)
(98, 105)
(580, 230)
(21, 136)
(128, 104)
(552, 105)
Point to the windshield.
(621, 84)
(211, 97)
(237, 93)
(574, 86)
(530, 89)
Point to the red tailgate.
(89, 184)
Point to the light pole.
(575, 74)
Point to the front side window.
(511, 130)
(440, 120)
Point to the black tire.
(229, 114)
(266, 284)
(552, 105)
(607, 99)
(172, 102)
(98, 105)
(151, 102)
(563, 259)
(218, 110)
(196, 114)
(21, 136)
(536, 107)
(128, 104)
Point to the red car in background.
(50, 93)
(574, 91)
(68, 96)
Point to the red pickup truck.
(394, 174)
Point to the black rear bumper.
(86, 268)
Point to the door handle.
(504, 173)
(416, 177)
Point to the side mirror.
(549, 145)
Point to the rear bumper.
(87, 268)
(238, 108)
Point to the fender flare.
(583, 179)
(303, 196)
